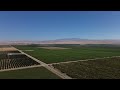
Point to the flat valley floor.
(63, 62)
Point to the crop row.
(3, 55)
(108, 68)
(16, 63)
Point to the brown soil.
(7, 49)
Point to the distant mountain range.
(63, 41)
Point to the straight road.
(83, 60)
(58, 73)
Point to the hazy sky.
(47, 25)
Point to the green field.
(97, 69)
(32, 73)
(76, 52)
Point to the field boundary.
(51, 69)
(26, 67)
(33, 66)
(82, 60)
(50, 66)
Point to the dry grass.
(7, 49)
(53, 48)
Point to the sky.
(51, 25)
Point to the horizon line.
(54, 39)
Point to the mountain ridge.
(64, 41)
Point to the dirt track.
(52, 69)
(82, 60)
(47, 66)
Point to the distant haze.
(64, 41)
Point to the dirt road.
(58, 73)
(82, 60)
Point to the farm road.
(82, 60)
(58, 73)
(49, 66)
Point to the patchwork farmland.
(73, 53)
(29, 73)
(11, 58)
(60, 61)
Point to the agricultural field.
(7, 49)
(60, 62)
(76, 52)
(108, 68)
(14, 61)
(53, 48)
(3, 54)
(16, 65)
(31, 73)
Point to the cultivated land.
(108, 68)
(7, 49)
(60, 61)
(31, 73)
(14, 61)
(53, 48)
(18, 60)
(77, 52)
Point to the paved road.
(58, 73)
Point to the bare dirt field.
(7, 49)
(53, 48)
